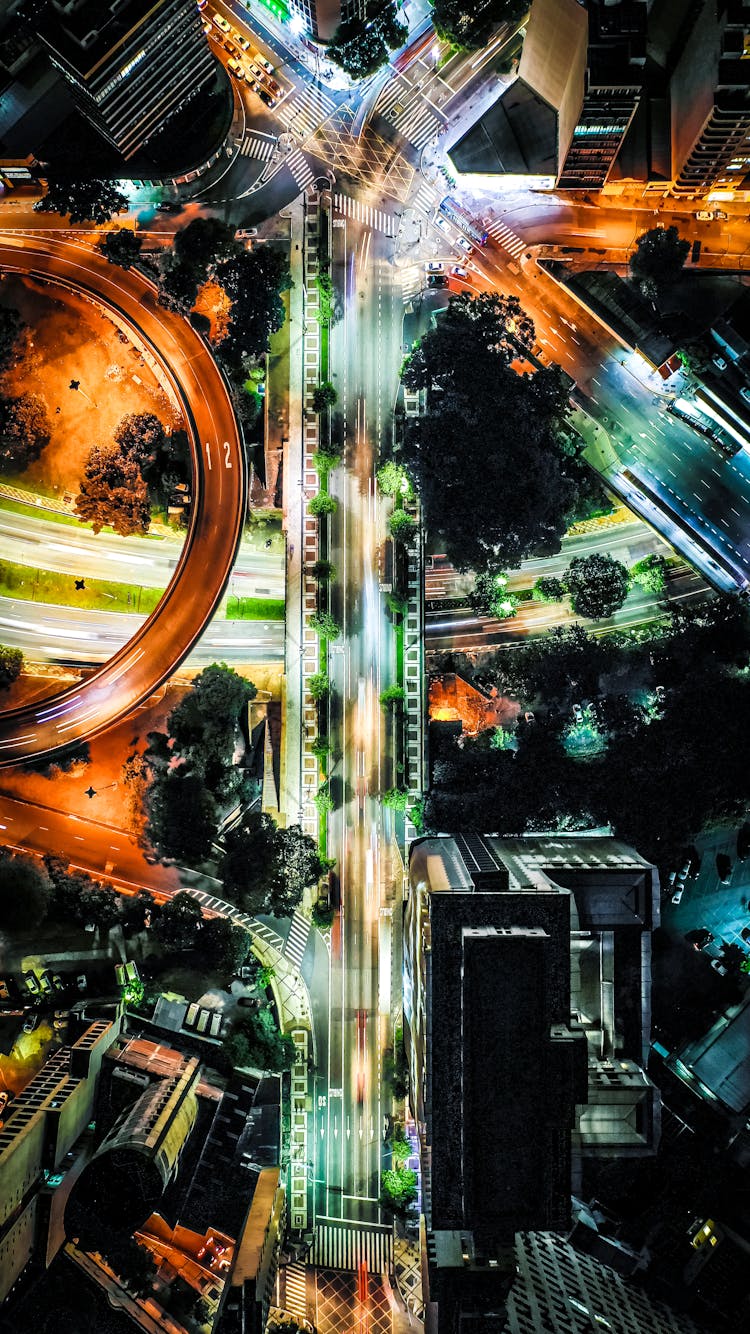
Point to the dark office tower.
(710, 100)
(321, 18)
(130, 63)
(613, 83)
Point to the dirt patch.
(72, 341)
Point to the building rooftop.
(517, 136)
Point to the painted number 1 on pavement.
(227, 452)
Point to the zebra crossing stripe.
(507, 239)
(300, 168)
(417, 124)
(345, 1246)
(255, 146)
(373, 217)
(305, 112)
(295, 1299)
(296, 942)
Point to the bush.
(322, 504)
(549, 589)
(402, 527)
(324, 625)
(392, 695)
(319, 686)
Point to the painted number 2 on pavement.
(227, 452)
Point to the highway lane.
(150, 561)
(48, 633)
(220, 484)
(364, 355)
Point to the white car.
(719, 362)
(268, 67)
(433, 266)
(678, 894)
(236, 69)
(704, 215)
(745, 393)
(464, 244)
(221, 22)
(458, 271)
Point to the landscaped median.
(29, 584)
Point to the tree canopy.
(122, 247)
(597, 585)
(361, 45)
(658, 259)
(163, 459)
(467, 23)
(25, 891)
(650, 573)
(114, 492)
(85, 200)
(488, 455)
(253, 281)
(267, 869)
(24, 431)
(12, 330)
(11, 662)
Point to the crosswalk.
(373, 217)
(403, 106)
(260, 146)
(239, 918)
(295, 1299)
(426, 198)
(304, 113)
(507, 239)
(412, 281)
(300, 168)
(344, 1246)
(296, 942)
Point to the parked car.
(720, 215)
(31, 1022)
(4, 993)
(458, 271)
(433, 266)
(464, 244)
(723, 867)
(169, 206)
(221, 23)
(235, 68)
(31, 982)
(678, 894)
(4, 1100)
(745, 393)
(699, 938)
(720, 362)
(81, 982)
(437, 280)
(265, 97)
(240, 40)
(704, 215)
(719, 967)
(268, 67)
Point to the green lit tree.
(318, 685)
(468, 23)
(325, 625)
(11, 662)
(490, 596)
(650, 573)
(402, 527)
(395, 695)
(322, 503)
(324, 571)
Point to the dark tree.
(11, 662)
(182, 816)
(658, 259)
(323, 570)
(487, 456)
(490, 596)
(361, 45)
(163, 459)
(597, 585)
(324, 397)
(100, 907)
(137, 910)
(548, 589)
(178, 288)
(113, 492)
(180, 923)
(467, 23)
(253, 281)
(402, 527)
(24, 431)
(12, 331)
(299, 867)
(256, 1041)
(134, 1264)
(249, 866)
(204, 243)
(224, 946)
(25, 891)
(203, 726)
(122, 247)
(89, 200)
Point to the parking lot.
(706, 902)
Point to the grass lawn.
(32, 585)
(59, 516)
(255, 609)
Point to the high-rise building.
(563, 120)
(526, 1022)
(710, 99)
(321, 18)
(43, 1143)
(130, 64)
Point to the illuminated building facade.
(130, 64)
(321, 18)
(710, 100)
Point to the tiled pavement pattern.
(340, 1311)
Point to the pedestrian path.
(304, 113)
(340, 1245)
(295, 1299)
(261, 146)
(426, 198)
(506, 238)
(300, 168)
(296, 942)
(373, 217)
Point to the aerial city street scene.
(375, 666)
